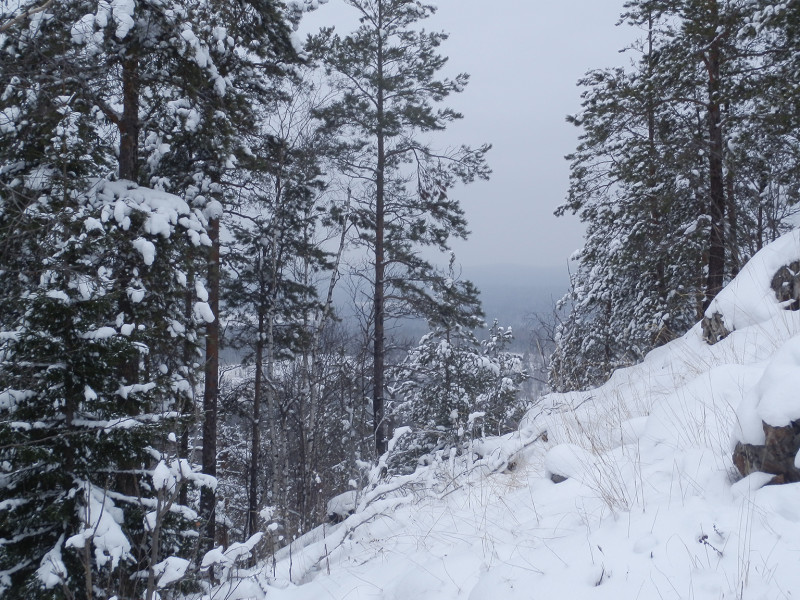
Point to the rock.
(342, 506)
(714, 329)
(775, 457)
(556, 478)
(786, 285)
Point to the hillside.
(649, 504)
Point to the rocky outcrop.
(714, 329)
(786, 285)
(776, 456)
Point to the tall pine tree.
(386, 76)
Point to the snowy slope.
(652, 506)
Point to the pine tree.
(388, 93)
(265, 295)
(198, 78)
(680, 177)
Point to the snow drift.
(649, 504)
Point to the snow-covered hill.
(651, 507)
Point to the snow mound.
(649, 504)
(750, 299)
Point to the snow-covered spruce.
(450, 390)
(97, 370)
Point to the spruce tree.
(99, 276)
(452, 388)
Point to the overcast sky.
(524, 58)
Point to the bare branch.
(21, 17)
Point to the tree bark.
(129, 123)
(733, 223)
(188, 404)
(379, 351)
(255, 442)
(208, 499)
(716, 200)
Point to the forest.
(187, 192)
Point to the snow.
(651, 506)
(569, 460)
(58, 295)
(101, 525)
(776, 392)
(343, 504)
(203, 312)
(398, 433)
(103, 333)
(136, 295)
(122, 11)
(171, 570)
(147, 249)
(52, 570)
(83, 30)
(163, 212)
(228, 560)
(200, 290)
(8, 119)
(213, 210)
(747, 486)
(10, 398)
(93, 224)
(749, 299)
(163, 479)
(126, 390)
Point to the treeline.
(688, 163)
(178, 177)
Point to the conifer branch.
(21, 17)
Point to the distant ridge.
(512, 294)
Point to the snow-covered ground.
(651, 507)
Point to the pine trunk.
(211, 392)
(716, 204)
(379, 351)
(733, 224)
(255, 441)
(129, 123)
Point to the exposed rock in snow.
(750, 298)
(342, 506)
(714, 328)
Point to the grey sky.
(524, 58)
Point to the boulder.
(776, 456)
(786, 285)
(714, 329)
